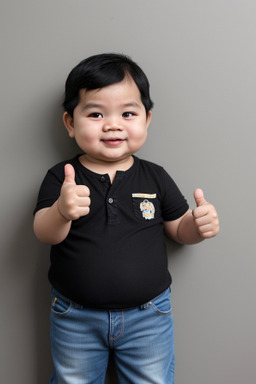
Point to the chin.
(116, 158)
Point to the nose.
(112, 124)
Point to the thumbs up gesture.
(205, 216)
(74, 200)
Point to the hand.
(74, 200)
(205, 216)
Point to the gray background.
(200, 57)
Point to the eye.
(128, 114)
(96, 115)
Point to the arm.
(52, 225)
(194, 226)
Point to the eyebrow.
(133, 104)
(92, 105)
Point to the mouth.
(113, 141)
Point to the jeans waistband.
(76, 305)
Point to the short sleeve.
(174, 205)
(50, 188)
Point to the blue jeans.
(141, 339)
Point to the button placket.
(112, 199)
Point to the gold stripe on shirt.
(145, 195)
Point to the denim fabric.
(142, 341)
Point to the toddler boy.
(105, 213)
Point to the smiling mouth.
(113, 141)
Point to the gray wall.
(200, 57)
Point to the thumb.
(69, 174)
(199, 197)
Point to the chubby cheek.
(85, 136)
(139, 137)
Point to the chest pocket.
(146, 206)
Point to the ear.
(69, 124)
(149, 116)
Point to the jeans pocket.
(162, 304)
(60, 306)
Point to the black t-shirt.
(115, 257)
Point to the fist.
(205, 216)
(74, 200)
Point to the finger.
(83, 211)
(69, 174)
(82, 191)
(205, 228)
(208, 234)
(202, 220)
(200, 211)
(83, 202)
(199, 197)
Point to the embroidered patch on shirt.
(147, 209)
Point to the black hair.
(101, 70)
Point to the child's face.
(109, 124)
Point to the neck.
(103, 167)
